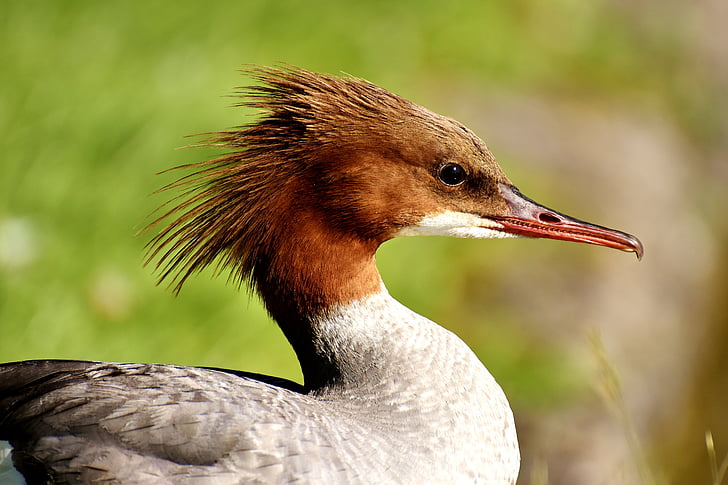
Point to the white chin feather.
(455, 224)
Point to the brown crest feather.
(227, 211)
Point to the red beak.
(530, 219)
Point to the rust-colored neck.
(306, 272)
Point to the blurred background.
(612, 111)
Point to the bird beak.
(530, 219)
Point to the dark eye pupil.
(451, 174)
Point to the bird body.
(332, 169)
(177, 423)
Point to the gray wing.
(84, 422)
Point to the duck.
(295, 209)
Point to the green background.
(96, 96)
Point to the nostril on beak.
(548, 218)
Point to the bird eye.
(451, 174)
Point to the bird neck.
(306, 274)
(326, 294)
(410, 380)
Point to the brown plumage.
(289, 167)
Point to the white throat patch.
(456, 224)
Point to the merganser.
(332, 168)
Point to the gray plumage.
(401, 422)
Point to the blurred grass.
(95, 96)
(718, 473)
